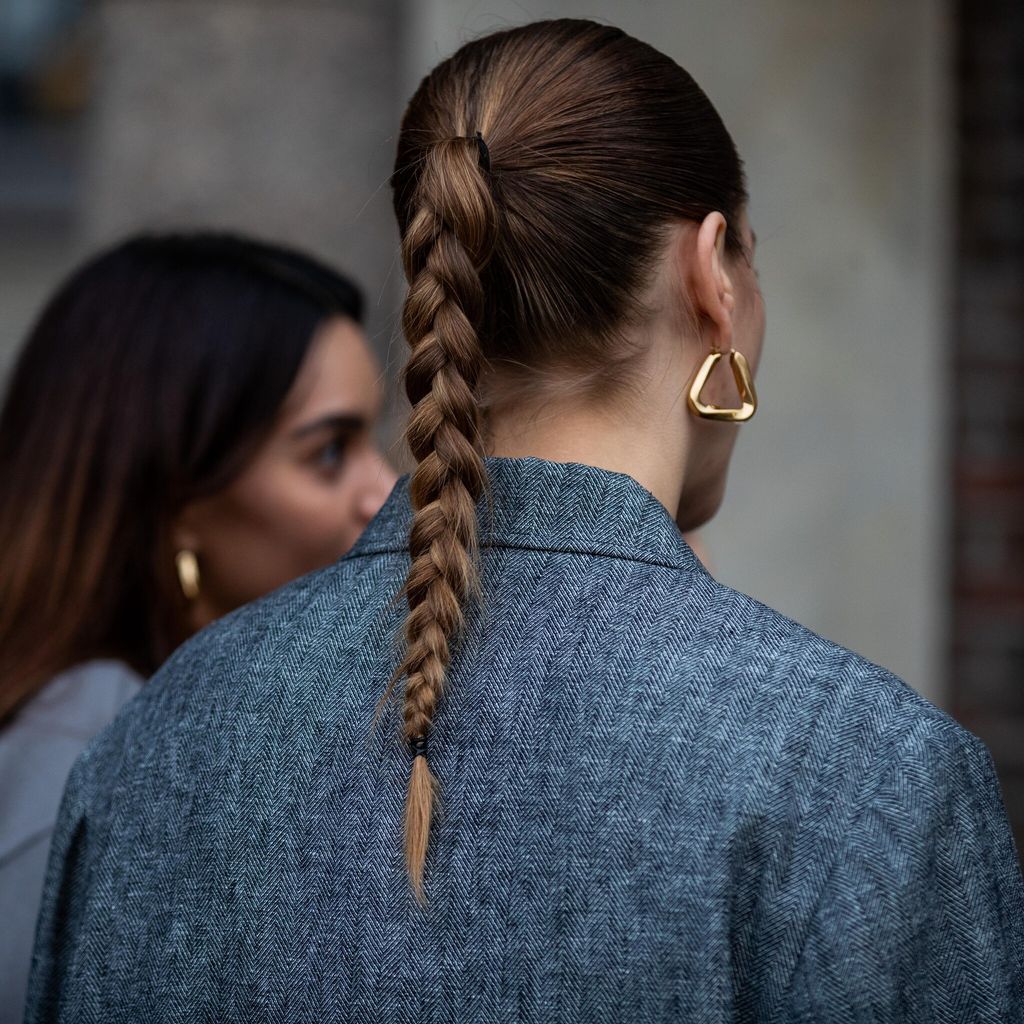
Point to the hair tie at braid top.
(485, 153)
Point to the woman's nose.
(381, 479)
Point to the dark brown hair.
(533, 265)
(149, 379)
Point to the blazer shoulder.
(254, 645)
(815, 679)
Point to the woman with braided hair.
(518, 756)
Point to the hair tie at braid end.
(418, 746)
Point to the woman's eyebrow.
(336, 422)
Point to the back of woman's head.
(538, 172)
(149, 379)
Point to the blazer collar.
(542, 505)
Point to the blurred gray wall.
(836, 508)
(275, 118)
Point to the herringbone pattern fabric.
(661, 801)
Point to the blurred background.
(878, 497)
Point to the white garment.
(37, 750)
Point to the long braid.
(601, 144)
(448, 242)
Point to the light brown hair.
(525, 259)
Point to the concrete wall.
(272, 118)
(275, 118)
(841, 109)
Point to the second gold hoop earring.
(187, 564)
(744, 383)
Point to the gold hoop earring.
(744, 382)
(187, 564)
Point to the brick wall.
(988, 389)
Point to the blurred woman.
(189, 426)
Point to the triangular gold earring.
(744, 382)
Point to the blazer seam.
(351, 556)
(894, 763)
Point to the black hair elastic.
(418, 745)
(485, 153)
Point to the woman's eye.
(331, 454)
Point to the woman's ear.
(710, 284)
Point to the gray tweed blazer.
(660, 801)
